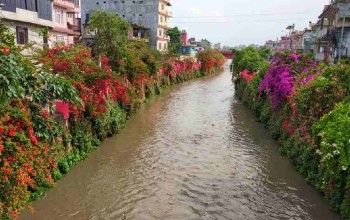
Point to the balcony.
(165, 27)
(69, 5)
(166, 13)
(75, 26)
(326, 33)
(164, 38)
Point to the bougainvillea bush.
(297, 101)
(210, 60)
(278, 82)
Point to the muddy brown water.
(195, 152)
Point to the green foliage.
(21, 78)
(332, 134)
(112, 34)
(249, 58)
(175, 40)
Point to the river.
(195, 152)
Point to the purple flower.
(278, 84)
(295, 57)
(307, 79)
(307, 69)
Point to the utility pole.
(341, 40)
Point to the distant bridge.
(227, 53)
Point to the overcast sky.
(235, 22)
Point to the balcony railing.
(76, 27)
(166, 13)
(325, 32)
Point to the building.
(333, 32)
(66, 24)
(218, 46)
(273, 45)
(285, 43)
(152, 15)
(204, 43)
(307, 38)
(184, 38)
(27, 19)
(297, 40)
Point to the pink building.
(184, 38)
(284, 43)
(66, 24)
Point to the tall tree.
(175, 40)
(112, 34)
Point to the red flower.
(1, 148)
(33, 139)
(11, 132)
(5, 51)
(45, 113)
(1, 130)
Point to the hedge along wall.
(37, 145)
(306, 107)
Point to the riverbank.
(59, 104)
(305, 106)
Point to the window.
(159, 46)
(69, 15)
(162, 7)
(165, 46)
(22, 35)
(59, 38)
(59, 16)
(161, 19)
(160, 33)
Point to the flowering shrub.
(26, 158)
(279, 80)
(278, 84)
(211, 60)
(313, 129)
(95, 84)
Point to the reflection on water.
(193, 153)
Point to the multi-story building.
(27, 18)
(307, 38)
(66, 24)
(273, 45)
(285, 43)
(297, 40)
(152, 15)
(333, 35)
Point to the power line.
(252, 21)
(243, 15)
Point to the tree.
(175, 40)
(112, 35)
